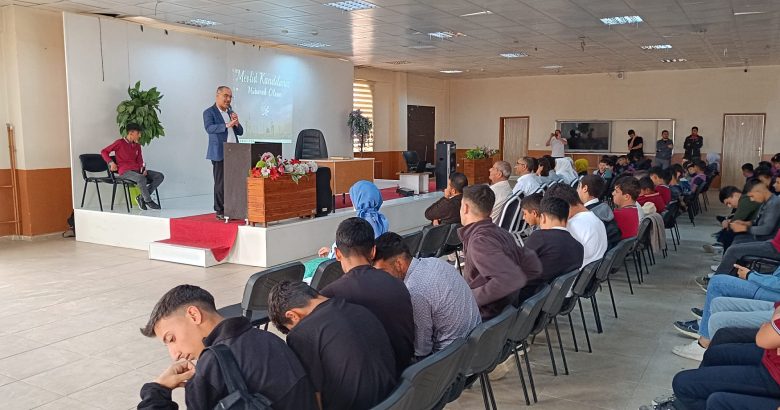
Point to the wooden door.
(743, 141)
(513, 141)
(421, 131)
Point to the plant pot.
(269, 200)
(477, 171)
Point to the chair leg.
(483, 387)
(560, 344)
(596, 314)
(612, 296)
(584, 326)
(640, 274)
(549, 347)
(573, 335)
(628, 276)
(100, 201)
(157, 193)
(84, 194)
(113, 196)
(530, 373)
(457, 260)
(522, 378)
(490, 392)
(126, 191)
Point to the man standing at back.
(222, 125)
(692, 145)
(496, 268)
(499, 183)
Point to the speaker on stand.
(445, 162)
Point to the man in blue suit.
(222, 125)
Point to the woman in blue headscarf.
(366, 199)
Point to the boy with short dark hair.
(530, 206)
(658, 176)
(627, 214)
(647, 193)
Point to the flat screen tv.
(586, 135)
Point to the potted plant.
(477, 163)
(361, 129)
(142, 109)
(280, 189)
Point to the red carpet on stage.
(343, 201)
(204, 231)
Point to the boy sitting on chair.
(130, 165)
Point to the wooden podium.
(239, 158)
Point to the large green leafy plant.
(481, 153)
(142, 109)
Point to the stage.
(280, 242)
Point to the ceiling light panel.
(673, 60)
(514, 55)
(613, 21)
(657, 47)
(199, 23)
(451, 71)
(312, 44)
(352, 5)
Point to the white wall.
(692, 97)
(186, 69)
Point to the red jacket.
(128, 155)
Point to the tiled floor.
(70, 314)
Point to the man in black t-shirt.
(376, 290)
(343, 346)
(558, 251)
(636, 149)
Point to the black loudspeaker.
(445, 163)
(324, 194)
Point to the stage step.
(187, 255)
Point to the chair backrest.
(452, 243)
(643, 234)
(527, 315)
(552, 305)
(412, 241)
(412, 160)
(670, 214)
(510, 212)
(433, 238)
(326, 274)
(259, 285)
(432, 377)
(486, 341)
(400, 399)
(614, 256)
(92, 163)
(586, 278)
(311, 145)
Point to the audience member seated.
(747, 284)
(582, 224)
(581, 166)
(528, 182)
(764, 174)
(564, 168)
(447, 209)
(622, 165)
(557, 250)
(362, 284)
(764, 226)
(775, 165)
(131, 166)
(186, 321)
(743, 209)
(531, 207)
(696, 172)
(679, 178)
(747, 171)
(496, 268)
(444, 308)
(627, 213)
(499, 183)
(343, 346)
(544, 170)
(735, 375)
(590, 189)
(604, 170)
(658, 176)
(647, 193)
(366, 199)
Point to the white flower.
(312, 166)
(265, 172)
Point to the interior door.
(514, 137)
(421, 131)
(743, 141)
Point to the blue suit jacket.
(218, 133)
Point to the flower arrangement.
(273, 167)
(481, 153)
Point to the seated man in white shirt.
(499, 183)
(583, 224)
(528, 183)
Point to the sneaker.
(703, 281)
(689, 328)
(708, 248)
(220, 217)
(710, 275)
(502, 369)
(714, 268)
(153, 205)
(664, 403)
(697, 312)
(691, 351)
(141, 203)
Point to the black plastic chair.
(552, 307)
(327, 272)
(670, 221)
(254, 305)
(433, 239)
(400, 399)
(584, 283)
(432, 378)
(413, 163)
(412, 241)
(453, 244)
(610, 264)
(527, 315)
(126, 184)
(94, 164)
(641, 246)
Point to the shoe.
(664, 403)
(221, 217)
(708, 248)
(703, 281)
(689, 328)
(691, 351)
(697, 312)
(714, 268)
(710, 275)
(153, 205)
(502, 369)
(141, 203)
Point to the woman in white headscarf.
(565, 169)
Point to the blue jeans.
(732, 286)
(738, 312)
(734, 401)
(729, 368)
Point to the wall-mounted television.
(586, 135)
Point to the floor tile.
(76, 376)
(30, 363)
(20, 395)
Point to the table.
(417, 182)
(345, 172)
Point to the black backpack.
(239, 397)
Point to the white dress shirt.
(527, 184)
(231, 133)
(502, 190)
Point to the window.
(363, 100)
